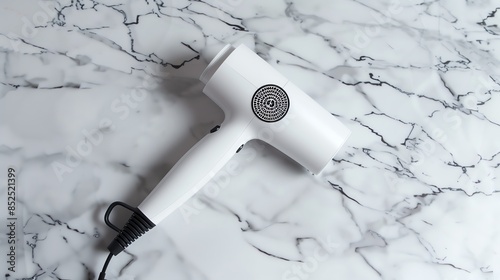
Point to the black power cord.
(102, 275)
(136, 226)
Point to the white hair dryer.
(258, 103)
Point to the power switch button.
(239, 149)
(214, 129)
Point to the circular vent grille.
(270, 103)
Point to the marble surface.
(100, 99)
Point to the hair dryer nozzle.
(308, 133)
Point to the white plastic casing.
(307, 132)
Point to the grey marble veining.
(100, 99)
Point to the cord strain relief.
(136, 226)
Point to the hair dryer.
(258, 103)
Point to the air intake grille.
(270, 103)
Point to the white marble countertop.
(99, 99)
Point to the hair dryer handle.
(194, 170)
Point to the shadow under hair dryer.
(258, 103)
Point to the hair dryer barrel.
(308, 133)
(245, 86)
